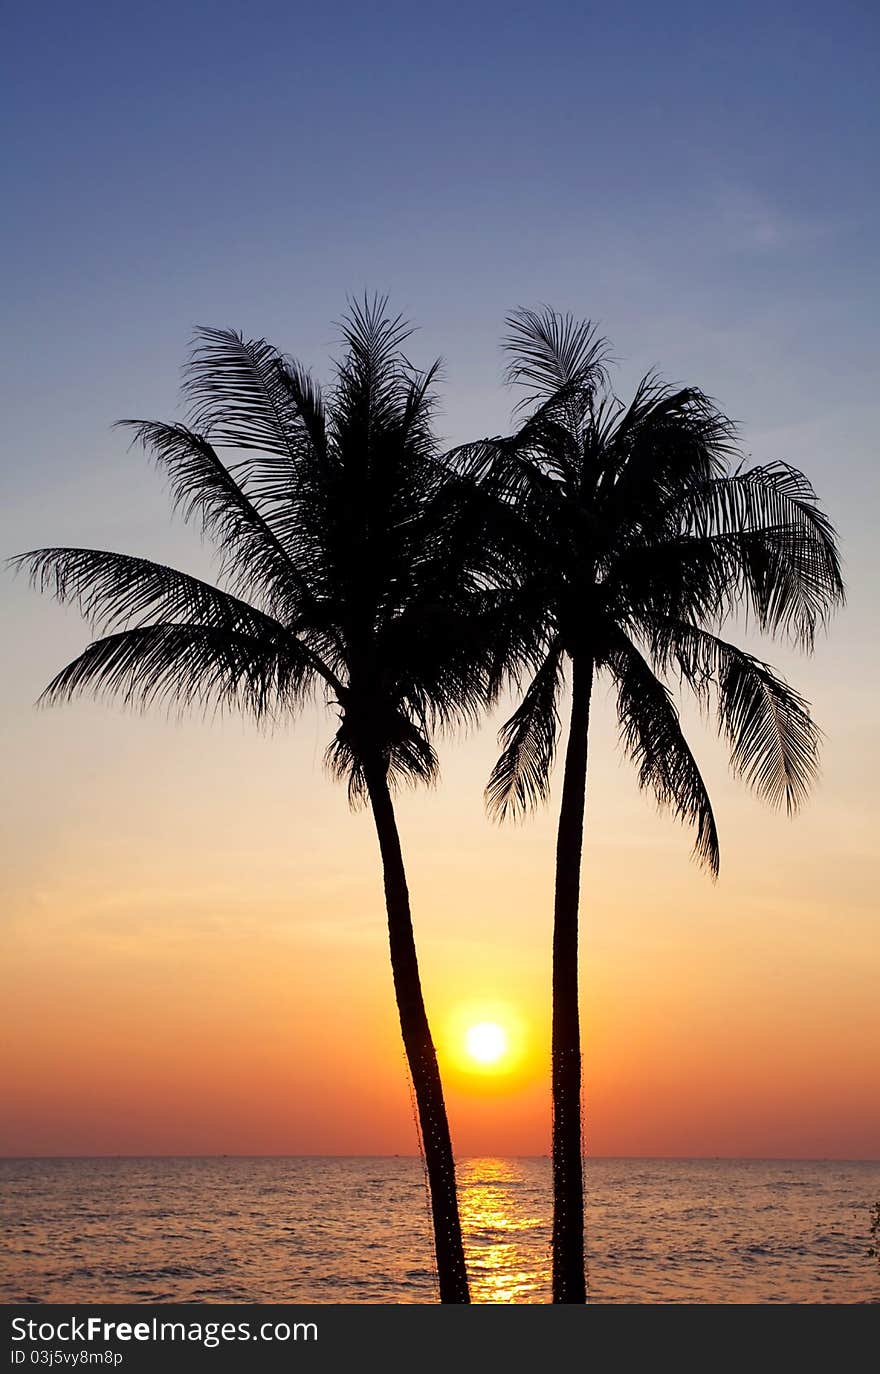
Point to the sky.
(193, 932)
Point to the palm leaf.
(405, 752)
(242, 394)
(664, 439)
(186, 666)
(549, 351)
(773, 739)
(253, 556)
(520, 778)
(114, 591)
(652, 736)
(791, 565)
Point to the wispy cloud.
(747, 218)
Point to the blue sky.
(702, 180)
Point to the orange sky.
(196, 957)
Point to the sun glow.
(486, 1042)
(484, 1045)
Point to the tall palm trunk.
(569, 1279)
(420, 1053)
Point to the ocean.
(322, 1230)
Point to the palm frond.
(242, 393)
(405, 752)
(373, 336)
(652, 736)
(668, 578)
(306, 400)
(706, 578)
(773, 740)
(190, 666)
(520, 778)
(252, 554)
(114, 591)
(665, 439)
(374, 377)
(419, 408)
(549, 351)
(790, 568)
(521, 488)
(440, 662)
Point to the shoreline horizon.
(408, 1154)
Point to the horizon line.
(731, 1159)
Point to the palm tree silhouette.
(634, 538)
(342, 571)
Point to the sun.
(486, 1042)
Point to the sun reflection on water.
(506, 1232)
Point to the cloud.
(749, 219)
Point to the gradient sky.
(194, 943)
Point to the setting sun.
(486, 1042)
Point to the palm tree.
(635, 536)
(341, 572)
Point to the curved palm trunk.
(569, 1278)
(420, 1053)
